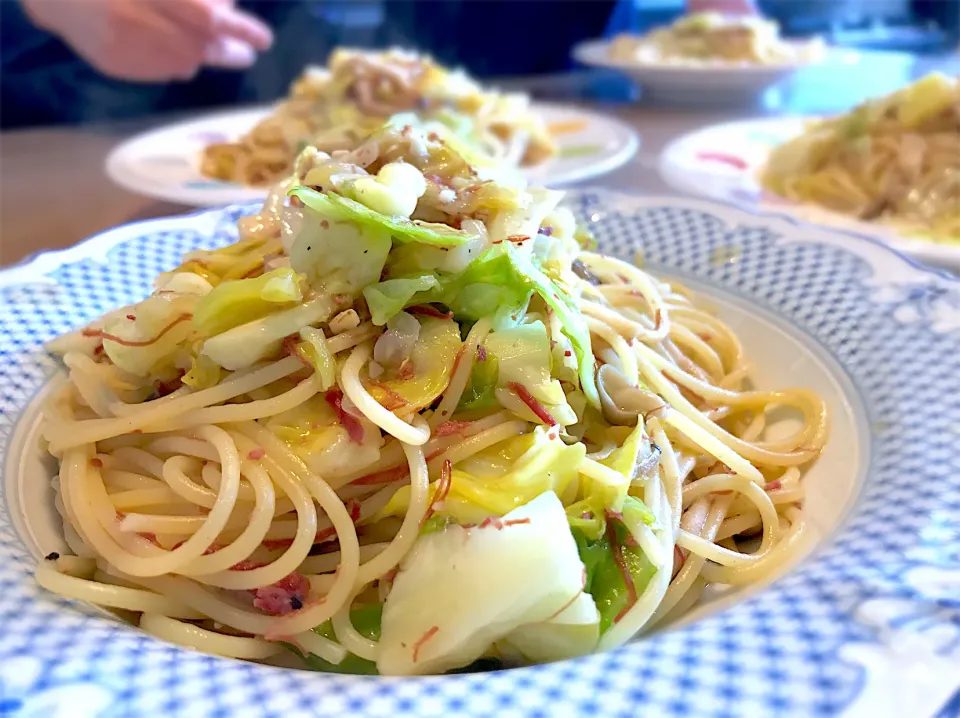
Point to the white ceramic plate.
(723, 161)
(696, 82)
(165, 163)
(868, 623)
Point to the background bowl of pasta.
(706, 81)
(726, 162)
(875, 337)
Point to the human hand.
(154, 40)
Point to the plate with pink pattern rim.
(724, 162)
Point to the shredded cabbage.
(335, 207)
(236, 302)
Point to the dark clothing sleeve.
(495, 38)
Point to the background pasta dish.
(412, 421)
(894, 160)
(334, 108)
(711, 37)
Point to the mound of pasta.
(408, 424)
(894, 160)
(336, 107)
(712, 37)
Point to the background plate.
(165, 163)
(723, 161)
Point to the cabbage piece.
(623, 460)
(238, 301)
(605, 581)
(524, 220)
(241, 346)
(385, 299)
(460, 590)
(523, 357)
(433, 359)
(150, 334)
(480, 392)
(204, 373)
(575, 631)
(572, 321)
(315, 350)
(338, 257)
(500, 479)
(313, 433)
(335, 207)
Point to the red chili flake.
(481, 353)
(624, 572)
(443, 488)
(325, 224)
(256, 454)
(286, 595)
(567, 352)
(773, 485)
(723, 158)
(390, 575)
(515, 522)
(137, 431)
(535, 406)
(518, 238)
(658, 320)
(430, 633)
(131, 317)
(127, 343)
(98, 350)
(491, 521)
(428, 310)
(354, 428)
(448, 428)
(575, 596)
(96, 462)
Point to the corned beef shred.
(354, 428)
(286, 595)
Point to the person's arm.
(153, 40)
(727, 7)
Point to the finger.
(211, 19)
(230, 53)
(242, 26)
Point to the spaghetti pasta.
(490, 442)
(334, 108)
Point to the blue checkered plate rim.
(869, 625)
